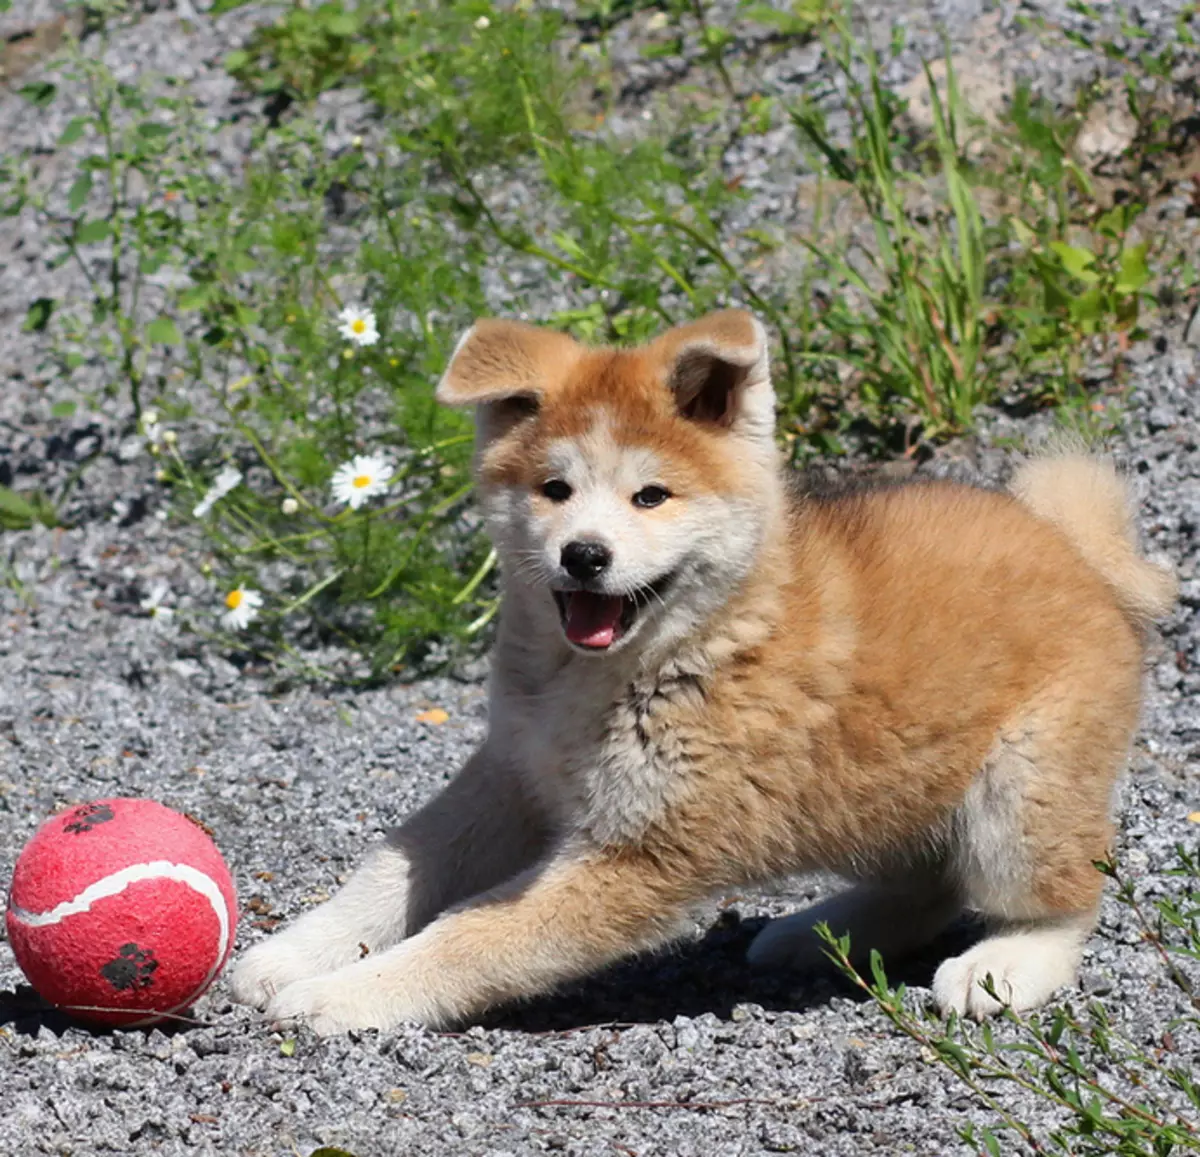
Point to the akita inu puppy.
(701, 681)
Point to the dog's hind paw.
(1026, 968)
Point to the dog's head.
(627, 490)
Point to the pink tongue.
(592, 620)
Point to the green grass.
(497, 152)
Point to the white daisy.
(161, 616)
(358, 325)
(242, 608)
(364, 476)
(289, 506)
(228, 479)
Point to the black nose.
(585, 560)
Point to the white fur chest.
(596, 748)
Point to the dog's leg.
(568, 918)
(480, 831)
(1026, 837)
(894, 920)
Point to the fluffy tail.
(1087, 500)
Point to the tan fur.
(929, 689)
(1088, 502)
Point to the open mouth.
(596, 621)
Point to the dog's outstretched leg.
(477, 833)
(552, 924)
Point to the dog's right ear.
(498, 361)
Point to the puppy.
(701, 682)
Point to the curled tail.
(1088, 501)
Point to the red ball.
(121, 911)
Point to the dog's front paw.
(271, 966)
(335, 1003)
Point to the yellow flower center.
(358, 325)
(361, 481)
(233, 600)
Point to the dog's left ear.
(719, 371)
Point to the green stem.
(480, 574)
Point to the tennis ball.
(121, 911)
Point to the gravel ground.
(681, 1053)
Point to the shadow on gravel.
(28, 1014)
(708, 975)
(689, 979)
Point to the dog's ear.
(719, 371)
(500, 361)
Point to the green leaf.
(91, 231)
(330, 1151)
(78, 194)
(38, 315)
(1023, 233)
(219, 6)
(152, 130)
(195, 298)
(991, 1143)
(164, 331)
(39, 94)
(236, 61)
(569, 246)
(62, 409)
(153, 262)
(1075, 260)
(798, 22)
(15, 512)
(954, 1055)
(74, 130)
(20, 512)
(1134, 272)
(288, 1047)
(1088, 308)
(672, 47)
(341, 24)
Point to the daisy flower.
(242, 607)
(289, 506)
(150, 424)
(358, 325)
(229, 478)
(161, 616)
(364, 476)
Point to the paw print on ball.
(83, 819)
(133, 968)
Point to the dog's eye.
(556, 490)
(650, 496)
